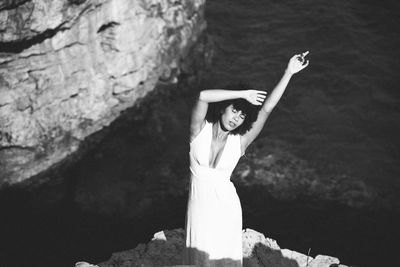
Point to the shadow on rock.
(167, 248)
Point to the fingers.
(294, 57)
(261, 97)
(305, 53)
(301, 56)
(260, 100)
(258, 93)
(298, 62)
(256, 97)
(305, 65)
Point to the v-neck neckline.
(209, 150)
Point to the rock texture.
(165, 249)
(69, 67)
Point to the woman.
(214, 215)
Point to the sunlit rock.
(166, 248)
(68, 68)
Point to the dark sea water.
(343, 111)
(341, 115)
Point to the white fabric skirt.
(213, 223)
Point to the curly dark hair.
(215, 110)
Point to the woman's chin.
(230, 128)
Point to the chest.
(217, 154)
(216, 150)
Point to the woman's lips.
(232, 124)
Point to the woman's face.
(232, 118)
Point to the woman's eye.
(242, 116)
(234, 110)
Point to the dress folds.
(214, 213)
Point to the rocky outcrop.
(166, 247)
(69, 67)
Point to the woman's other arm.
(296, 64)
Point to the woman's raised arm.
(296, 64)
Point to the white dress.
(214, 213)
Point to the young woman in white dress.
(217, 140)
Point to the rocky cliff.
(165, 249)
(69, 67)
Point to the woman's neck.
(219, 131)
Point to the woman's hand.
(297, 63)
(255, 97)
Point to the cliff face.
(69, 67)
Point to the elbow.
(268, 108)
(202, 95)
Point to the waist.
(210, 174)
